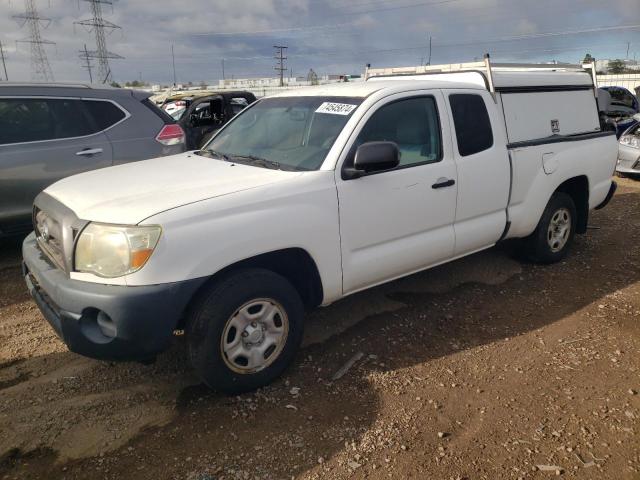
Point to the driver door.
(396, 222)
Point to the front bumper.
(106, 322)
(628, 159)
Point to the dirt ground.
(486, 368)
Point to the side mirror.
(373, 157)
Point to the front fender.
(200, 239)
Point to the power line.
(272, 30)
(280, 67)
(40, 67)
(98, 25)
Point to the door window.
(104, 114)
(32, 120)
(25, 121)
(412, 124)
(471, 119)
(238, 104)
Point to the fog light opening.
(106, 325)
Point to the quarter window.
(471, 119)
(412, 124)
(104, 114)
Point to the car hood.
(130, 193)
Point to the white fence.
(630, 81)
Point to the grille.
(49, 236)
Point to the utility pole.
(84, 55)
(4, 65)
(173, 60)
(628, 45)
(223, 77)
(98, 25)
(40, 68)
(280, 68)
(429, 61)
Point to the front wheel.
(552, 238)
(244, 330)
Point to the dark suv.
(52, 131)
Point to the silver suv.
(51, 131)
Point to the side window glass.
(238, 104)
(412, 124)
(25, 120)
(69, 118)
(471, 120)
(104, 114)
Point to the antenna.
(40, 68)
(98, 25)
(173, 60)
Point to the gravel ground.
(486, 368)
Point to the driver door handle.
(89, 151)
(443, 182)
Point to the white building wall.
(629, 81)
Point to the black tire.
(622, 175)
(537, 246)
(215, 308)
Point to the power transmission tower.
(4, 65)
(98, 25)
(280, 67)
(312, 77)
(84, 55)
(40, 68)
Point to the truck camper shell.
(541, 103)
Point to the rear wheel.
(552, 238)
(245, 330)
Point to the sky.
(328, 36)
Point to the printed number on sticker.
(336, 108)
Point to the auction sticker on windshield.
(336, 108)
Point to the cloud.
(525, 27)
(330, 36)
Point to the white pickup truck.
(307, 197)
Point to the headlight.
(113, 251)
(630, 140)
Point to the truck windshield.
(290, 133)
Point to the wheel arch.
(294, 264)
(578, 189)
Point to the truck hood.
(130, 193)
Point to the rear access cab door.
(42, 140)
(483, 168)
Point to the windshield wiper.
(216, 154)
(259, 161)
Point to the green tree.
(115, 85)
(588, 58)
(616, 66)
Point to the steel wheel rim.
(559, 230)
(254, 336)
